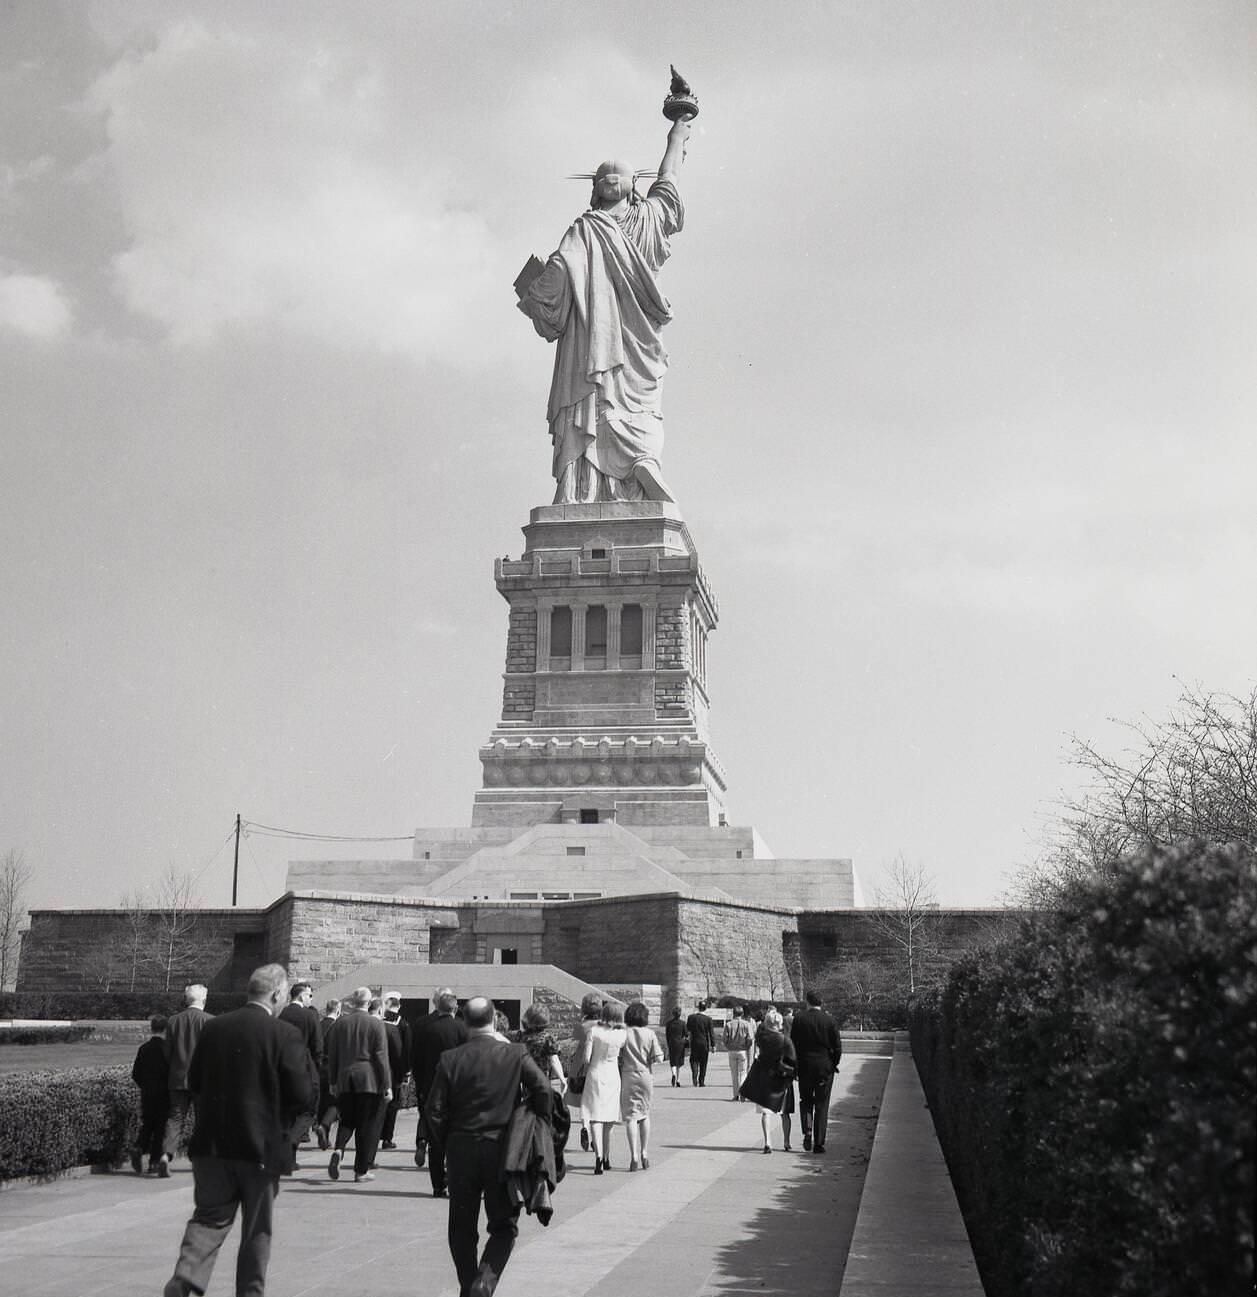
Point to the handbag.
(576, 1084)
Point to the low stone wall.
(688, 948)
(123, 950)
(846, 936)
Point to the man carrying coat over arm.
(473, 1096)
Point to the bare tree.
(15, 877)
(905, 914)
(1193, 775)
(137, 951)
(858, 988)
(176, 947)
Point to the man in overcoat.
(819, 1047)
(473, 1096)
(183, 1030)
(250, 1076)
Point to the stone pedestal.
(604, 706)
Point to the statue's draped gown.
(599, 300)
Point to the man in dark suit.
(249, 1076)
(702, 1033)
(151, 1072)
(183, 1030)
(357, 1062)
(819, 1047)
(327, 1114)
(398, 1060)
(441, 1030)
(474, 1093)
(300, 1013)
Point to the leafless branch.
(15, 878)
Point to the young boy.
(149, 1072)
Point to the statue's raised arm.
(674, 153)
(598, 299)
(680, 107)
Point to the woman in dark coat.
(770, 1082)
(674, 1031)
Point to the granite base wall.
(327, 937)
(629, 939)
(733, 950)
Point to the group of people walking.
(616, 1051)
(494, 1106)
(766, 1061)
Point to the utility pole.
(235, 868)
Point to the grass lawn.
(112, 1044)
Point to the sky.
(960, 410)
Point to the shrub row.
(1092, 1082)
(107, 1005)
(45, 1035)
(53, 1121)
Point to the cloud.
(34, 305)
(263, 184)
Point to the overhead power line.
(270, 831)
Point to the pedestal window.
(560, 638)
(595, 637)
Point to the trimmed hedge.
(108, 1005)
(60, 1035)
(1092, 1081)
(53, 1121)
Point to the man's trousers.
(474, 1165)
(151, 1139)
(814, 1088)
(739, 1061)
(698, 1065)
(176, 1113)
(220, 1186)
(361, 1113)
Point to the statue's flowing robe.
(599, 300)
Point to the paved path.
(711, 1216)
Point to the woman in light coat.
(600, 1101)
(637, 1086)
(590, 1014)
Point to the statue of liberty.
(597, 298)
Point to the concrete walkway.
(711, 1216)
